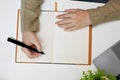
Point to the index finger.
(64, 16)
(30, 54)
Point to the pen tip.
(42, 52)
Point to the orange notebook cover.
(61, 47)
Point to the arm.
(75, 19)
(106, 13)
(30, 10)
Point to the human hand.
(30, 38)
(73, 19)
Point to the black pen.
(10, 39)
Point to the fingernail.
(68, 30)
(39, 50)
(56, 22)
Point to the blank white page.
(45, 35)
(71, 47)
(59, 46)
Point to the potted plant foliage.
(97, 75)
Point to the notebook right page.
(71, 47)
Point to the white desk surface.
(103, 37)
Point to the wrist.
(88, 20)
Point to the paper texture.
(60, 46)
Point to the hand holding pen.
(32, 47)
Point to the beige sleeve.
(109, 12)
(30, 10)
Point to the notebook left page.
(45, 36)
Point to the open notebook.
(60, 46)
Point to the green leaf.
(96, 75)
